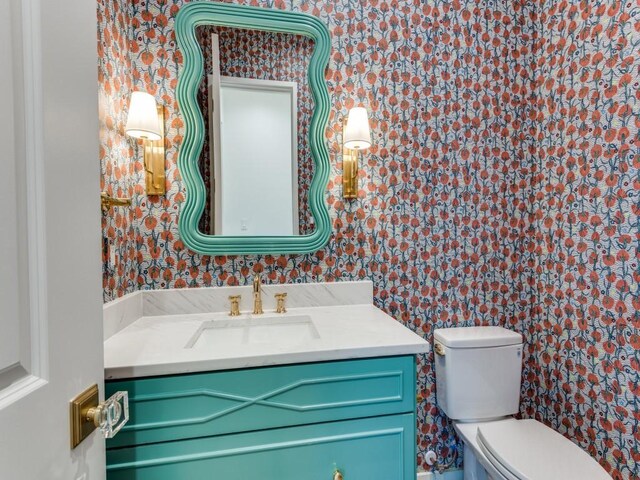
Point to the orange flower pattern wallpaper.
(503, 188)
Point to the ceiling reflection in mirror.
(256, 161)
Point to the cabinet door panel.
(381, 448)
(205, 404)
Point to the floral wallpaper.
(502, 189)
(120, 174)
(265, 56)
(582, 374)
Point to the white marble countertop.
(156, 345)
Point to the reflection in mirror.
(255, 162)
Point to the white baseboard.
(448, 475)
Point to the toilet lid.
(529, 450)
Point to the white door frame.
(216, 83)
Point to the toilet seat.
(529, 450)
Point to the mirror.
(256, 141)
(254, 158)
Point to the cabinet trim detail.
(262, 448)
(263, 399)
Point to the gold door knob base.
(338, 475)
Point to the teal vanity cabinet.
(289, 422)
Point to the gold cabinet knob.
(338, 475)
(280, 302)
(235, 305)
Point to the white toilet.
(478, 372)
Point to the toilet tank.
(478, 372)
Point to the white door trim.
(50, 56)
(29, 132)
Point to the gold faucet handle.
(280, 302)
(235, 305)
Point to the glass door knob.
(111, 415)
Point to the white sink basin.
(254, 330)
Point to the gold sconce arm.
(145, 121)
(350, 173)
(356, 137)
(154, 160)
(106, 202)
(349, 169)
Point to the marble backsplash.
(122, 312)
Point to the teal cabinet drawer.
(205, 404)
(380, 448)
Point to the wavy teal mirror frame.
(188, 19)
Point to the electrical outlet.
(112, 257)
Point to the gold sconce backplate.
(81, 426)
(154, 160)
(349, 169)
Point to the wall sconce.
(356, 137)
(146, 122)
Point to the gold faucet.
(280, 299)
(257, 295)
(235, 305)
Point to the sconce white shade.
(142, 121)
(357, 135)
